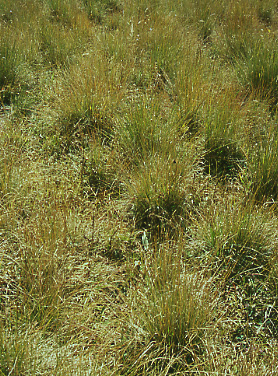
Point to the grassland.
(138, 187)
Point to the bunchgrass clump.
(56, 45)
(81, 97)
(223, 155)
(262, 167)
(139, 133)
(64, 12)
(223, 158)
(258, 72)
(178, 304)
(10, 60)
(174, 314)
(239, 241)
(163, 193)
(98, 10)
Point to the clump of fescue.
(223, 155)
(239, 242)
(258, 71)
(174, 313)
(98, 11)
(236, 33)
(223, 158)
(19, 48)
(11, 57)
(176, 308)
(64, 12)
(260, 178)
(144, 130)
(238, 235)
(86, 97)
(62, 33)
(163, 190)
(162, 43)
(162, 198)
(57, 45)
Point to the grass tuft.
(163, 193)
(175, 311)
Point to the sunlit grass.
(138, 187)
(174, 314)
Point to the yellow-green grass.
(138, 187)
